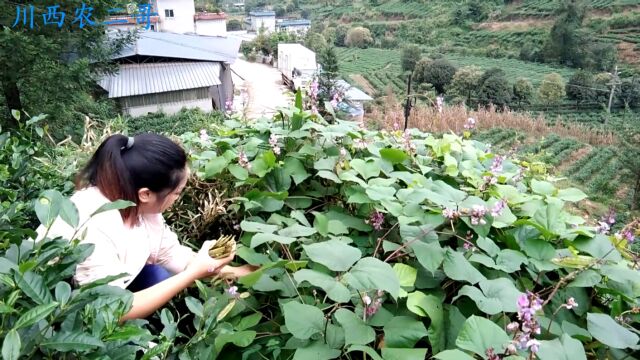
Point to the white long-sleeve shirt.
(119, 248)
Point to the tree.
(234, 25)
(50, 69)
(329, 74)
(409, 58)
(494, 88)
(581, 87)
(522, 91)
(551, 91)
(465, 83)
(628, 151)
(602, 82)
(315, 41)
(358, 37)
(438, 73)
(566, 42)
(630, 92)
(341, 35)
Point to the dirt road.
(263, 87)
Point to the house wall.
(211, 27)
(183, 12)
(269, 23)
(168, 102)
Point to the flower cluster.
(204, 137)
(335, 100)
(273, 141)
(450, 214)
(470, 124)
(498, 208)
(408, 145)
(626, 234)
(376, 220)
(477, 215)
(440, 103)
(360, 143)
(371, 306)
(528, 326)
(228, 105)
(243, 160)
(233, 291)
(488, 180)
(496, 166)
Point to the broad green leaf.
(295, 168)
(15, 114)
(317, 350)
(479, 334)
(251, 256)
(549, 217)
(431, 306)
(429, 255)
(328, 163)
(510, 260)
(538, 249)
(355, 330)
(403, 354)
(240, 339)
(606, 330)
(393, 156)
(542, 187)
(457, 267)
(576, 331)
(488, 246)
(69, 212)
(195, 306)
(303, 321)
(498, 295)
(378, 193)
(334, 336)
(366, 169)
(47, 207)
(406, 274)
(76, 341)
(11, 345)
(329, 175)
(622, 279)
(33, 286)
(215, 166)
(598, 246)
(370, 273)
(297, 230)
(365, 349)
(321, 223)
(335, 290)
(587, 278)
(114, 205)
(238, 172)
(334, 254)
(452, 355)
(263, 163)
(564, 348)
(256, 227)
(571, 194)
(403, 332)
(261, 238)
(35, 314)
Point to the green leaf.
(335, 290)
(355, 330)
(571, 194)
(370, 273)
(431, 306)
(263, 163)
(329, 175)
(76, 341)
(542, 187)
(379, 193)
(606, 330)
(564, 348)
(249, 321)
(261, 238)
(334, 254)
(256, 227)
(215, 166)
(317, 350)
(366, 169)
(35, 314)
(63, 292)
(403, 354)
(479, 334)
(457, 267)
(33, 286)
(365, 349)
(498, 295)
(549, 217)
(47, 207)
(11, 345)
(452, 355)
(240, 339)
(321, 223)
(114, 205)
(195, 306)
(15, 114)
(303, 321)
(69, 212)
(295, 168)
(587, 278)
(393, 156)
(576, 331)
(297, 230)
(238, 172)
(406, 274)
(488, 246)
(598, 246)
(429, 255)
(403, 332)
(510, 260)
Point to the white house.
(259, 19)
(212, 24)
(298, 26)
(176, 16)
(165, 72)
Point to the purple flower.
(477, 215)
(376, 220)
(450, 214)
(513, 326)
(528, 304)
(243, 160)
(603, 228)
(491, 354)
(628, 234)
(232, 291)
(408, 145)
(571, 303)
(470, 124)
(468, 246)
(498, 208)
(496, 166)
(366, 300)
(228, 105)
(273, 141)
(533, 345)
(204, 136)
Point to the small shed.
(211, 24)
(354, 99)
(166, 71)
(298, 26)
(261, 19)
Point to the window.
(168, 13)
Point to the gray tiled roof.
(151, 78)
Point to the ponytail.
(122, 165)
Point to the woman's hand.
(202, 265)
(238, 271)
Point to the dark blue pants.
(150, 275)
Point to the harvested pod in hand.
(222, 247)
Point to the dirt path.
(263, 87)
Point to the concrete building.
(259, 19)
(298, 26)
(211, 24)
(166, 72)
(176, 16)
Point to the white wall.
(269, 23)
(211, 27)
(170, 108)
(183, 15)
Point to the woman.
(151, 171)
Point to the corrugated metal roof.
(152, 78)
(353, 93)
(183, 46)
(262, 13)
(293, 22)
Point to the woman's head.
(148, 169)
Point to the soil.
(522, 24)
(263, 87)
(363, 83)
(628, 53)
(575, 156)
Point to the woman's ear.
(145, 196)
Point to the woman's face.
(154, 203)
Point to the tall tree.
(329, 74)
(410, 56)
(49, 60)
(566, 42)
(438, 73)
(465, 83)
(551, 91)
(581, 87)
(494, 88)
(522, 91)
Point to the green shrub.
(187, 120)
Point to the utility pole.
(615, 80)
(409, 103)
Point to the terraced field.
(542, 8)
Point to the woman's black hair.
(122, 165)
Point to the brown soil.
(363, 83)
(522, 24)
(575, 156)
(628, 53)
